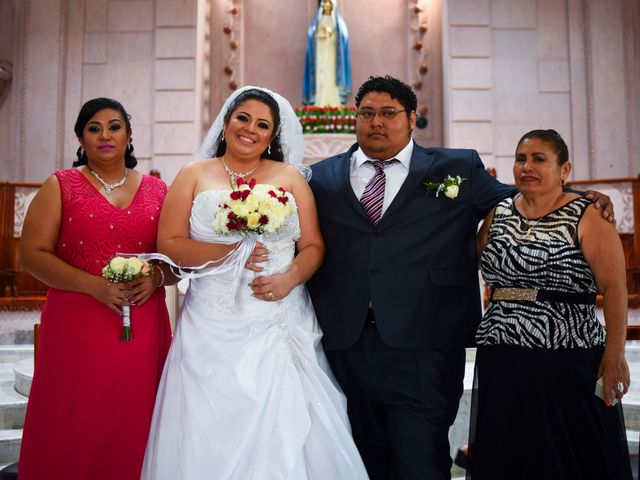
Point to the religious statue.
(327, 69)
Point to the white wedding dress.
(246, 391)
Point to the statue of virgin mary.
(327, 70)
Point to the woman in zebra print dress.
(541, 349)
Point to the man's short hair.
(394, 87)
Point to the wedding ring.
(620, 387)
(270, 295)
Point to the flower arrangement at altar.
(327, 119)
(123, 270)
(252, 207)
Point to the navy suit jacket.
(418, 267)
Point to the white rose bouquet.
(253, 208)
(450, 186)
(123, 270)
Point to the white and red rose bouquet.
(252, 207)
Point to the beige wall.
(572, 65)
(142, 53)
(7, 38)
(271, 38)
(496, 68)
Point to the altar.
(318, 146)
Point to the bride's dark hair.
(269, 101)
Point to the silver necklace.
(530, 223)
(109, 186)
(235, 175)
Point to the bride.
(246, 392)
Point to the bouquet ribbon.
(232, 263)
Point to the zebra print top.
(545, 254)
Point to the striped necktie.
(373, 196)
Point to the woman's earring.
(269, 150)
(563, 182)
(222, 137)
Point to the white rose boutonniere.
(450, 186)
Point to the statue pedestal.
(319, 146)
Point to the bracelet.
(161, 277)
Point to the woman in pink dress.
(92, 395)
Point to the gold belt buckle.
(521, 294)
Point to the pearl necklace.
(109, 186)
(235, 175)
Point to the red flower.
(273, 194)
(240, 181)
(236, 194)
(233, 226)
(263, 220)
(252, 183)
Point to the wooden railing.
(18, 289)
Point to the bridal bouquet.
(252, 207)
(123, 270)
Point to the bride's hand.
(259, 254)
(272, 287)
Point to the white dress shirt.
(396, 173)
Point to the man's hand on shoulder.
(603, 202)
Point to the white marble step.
(631, 408)
(10, 354)
(13, 405)
(10, 441)
(16, 328)
(23, 373)
(633, 439)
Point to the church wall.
(495, 69)
(140, 52)
(269, 44)
(7, 38)
(514, 65)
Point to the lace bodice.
(280, 244)
(231, 283)
(92, 231)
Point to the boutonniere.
(450, 186)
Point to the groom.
(397, 296)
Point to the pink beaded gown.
(92, 395)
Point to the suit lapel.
(342, 172)
(421, 162)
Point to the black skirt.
(535, 416)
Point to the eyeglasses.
(368, 114)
